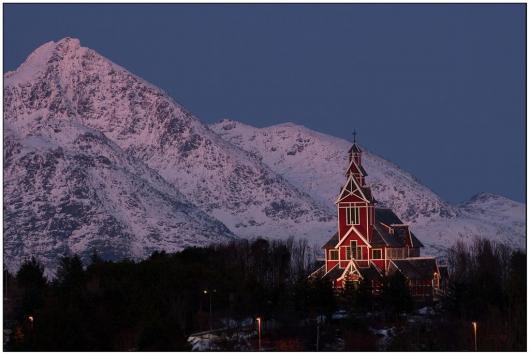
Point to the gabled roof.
(415, 241)
(319, 269)
(368, 193)
(353, 229)
(334, 273)
(381, 237)
(369, 273)
(332, 241)
(346, 270)
(387, 216)
(420, 268)
(350, 186)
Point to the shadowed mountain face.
(315, 163)
(97, 159)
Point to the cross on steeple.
(354, 135)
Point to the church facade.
(371, 242)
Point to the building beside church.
(373, 242)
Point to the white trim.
(348, 233)
(329, 252)
(317, 270)
(377, 268)
(380, 250)
(330, 270)
(346, 270)
(358, 188)
(357, 166)
(357, 214)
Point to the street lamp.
(318, 333)
(259, 333)
(475, 333)
(210, 298)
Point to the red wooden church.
(372, 242)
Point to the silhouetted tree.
(395, 295)
(30, 278)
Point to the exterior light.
(475, 333)
(259, 333)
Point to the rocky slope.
(315, 163)
(63, 83)
(77, 192)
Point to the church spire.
(355, 165)
(354, 148)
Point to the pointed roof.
(332, 241)
(334, 273)
(351, 230)
(350, 187)
(355, 148)
(387, 216)
(359, 167)
(419, 268)
(369, 273)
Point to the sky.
(438, 89)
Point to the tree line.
(156, 303)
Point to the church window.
(359, 253)
(376, 254)
(356, 251)
(352, 215)
(333, 254)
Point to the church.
(372, 242)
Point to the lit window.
(348, 253)
(352, 215)
(376, 254)
(333, 254)
(356, 251)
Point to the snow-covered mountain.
(95, 158)
(63, 90)
(68, 189)
(315, 163)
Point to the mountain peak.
(68, 44)
(36, 62)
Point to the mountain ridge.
(297, 152)
(160, 178)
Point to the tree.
(70, 273)
(322, 297)
(396, 296)
(30, 277)
(349, 296)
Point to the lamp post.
(210, 299)
(318, 334)
(30, 319)
(475, 333)
(259, 333)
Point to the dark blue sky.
(438, 89)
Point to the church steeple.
(355, 151)
(355, 167)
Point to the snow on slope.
(68, 189)
(315, 163)
(65, 81)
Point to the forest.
(158, 303)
